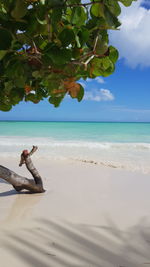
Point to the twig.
(25, 153)
(34, 148)
(95, 43)
(35, 48)
(48, 27)
(88, 60)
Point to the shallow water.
(119, 145)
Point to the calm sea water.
(120, 145)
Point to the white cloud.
(99, 95)
(100, 80)
(133, 38)
(97, 79)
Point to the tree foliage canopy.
(46, 46)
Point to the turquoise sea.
(120, 145)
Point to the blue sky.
(123, 96)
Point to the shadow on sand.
(14, 192)
(63, 244)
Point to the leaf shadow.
(65, 244)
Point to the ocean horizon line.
(76, 121)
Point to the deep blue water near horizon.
(121, 145)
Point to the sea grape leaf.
(113, 54)
(3, 53)
(59, 56)
(20, 9)
(126, 2)
(5, 107)
(5, 39)
(56, 100)
(83, 35)
(101, 67)
(66, 37)
(78, 16)
(80, 93)
(8, 87)
(97, 10)
(111, 19)
(114, 7)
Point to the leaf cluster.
(47, 46)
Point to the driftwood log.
(20, 182)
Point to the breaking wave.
(131, 156)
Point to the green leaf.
(59, 56)
(36, 74)
(55, 3)
(5, 39)
(33, 98)
(66, 37)
(126, 2)
(16, 95)
(3, 53)
(42, 2)
(56, 16)
(114, 7)
(4, 107)
(80, 94)
(83, 35)
(97, 10)
(78, 16)
(55, 100)
(111, 19)
(20, 81)
(101, 47)
(101, 67)
(8, 87)
(20, 9)
(113, 54)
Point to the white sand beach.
(89, 216)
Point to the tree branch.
(20, 182)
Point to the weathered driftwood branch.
(20, 182)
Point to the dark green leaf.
(20, 9)
(81, 93)
(56, 100)
(111, 19)
(5, 39)
(8, 87)
(33, 98)
(59, 56)
(5, 107)
(2, 53)
(83, 35)
(66, 37)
